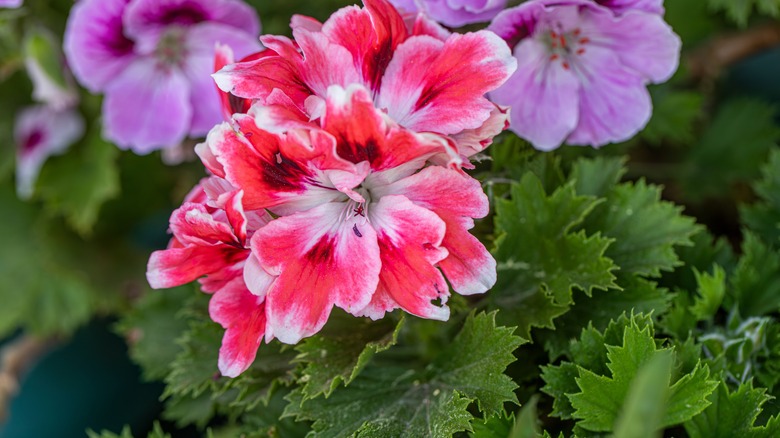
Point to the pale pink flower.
(454, 13)
(418, 75)
(40, 132)
(11, 3)
(583, 68)
(152, 60)
(211, 244)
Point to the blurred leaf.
(755, 283)
(741, 10)
(644, 408)
(733, 414)
(498, 426)
(763, 217)
(527, 422)
(674, 117)
(597, 176)
(712, 288)
(77, 183)
(397, 401)
(732, 148)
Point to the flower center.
(170, 48)
(565, 46)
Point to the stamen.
(577, 32)
(584, 40)
(356, 231)
(580, 51)
(565, 65)
(554, 57)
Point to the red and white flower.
(210, 244)
(354, 142)
(425, 78)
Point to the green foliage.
(583, 390)
(394, 400)
(540, 259)
(763, 218)
(755, 284)
(732, 414)
(712, 288)
(644, 408)
(715, 163)
(341, 351)
(78, 183)
(673, 117)
(156, 432)
(740, 10)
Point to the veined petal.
(614, 103)
(543, 96)
(469, 267)
(322, 257)
(363, 134)
(642, 40)
(324, 63)
(176, 266)
(145, 16)
(200, 46)
(473, 141)
(623, 6)
(278, 114)
(409, 240)
(438, 86)
(242, 315)
(94, 44)
(257, 280)
(284, 172)
(257, 78)
(147, 107)
(193, 224)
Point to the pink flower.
(583, 68)
(416, 75)
(362, 223)
(354, 145)
(10, 3)
(453, 13)
(211, 244)
(40, 132)
(152, 60)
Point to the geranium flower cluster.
(152, 60)
(342, 185)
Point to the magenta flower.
(454, 13)
(40, 132)
(10, 3)
(152, 60)
(351, 145)
(211, 244)
(583, 68)
(416, 75)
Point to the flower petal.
(409, 240)
(176, 266)
(623, 6)
(94, 44)
(200, 48)
(469, 267)
(242, 315)
(438, 86)
(614, 102)
(146, 108)
(642, 40)
(543, 97)
(322, 259)
(147, 16)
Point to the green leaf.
(740, 10)
(733, 414)
(597, 176)
(152, 328)
(644, 228)
(125, 433)
(498, 426)
(77, 184)
(755, 284)
(539, 259)
(674, 117)
(600, 399)
(712, 288)
(763, 218)
(645, 405)
(732, 148)
(389, 400)
(341, 351)
(527, 423)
